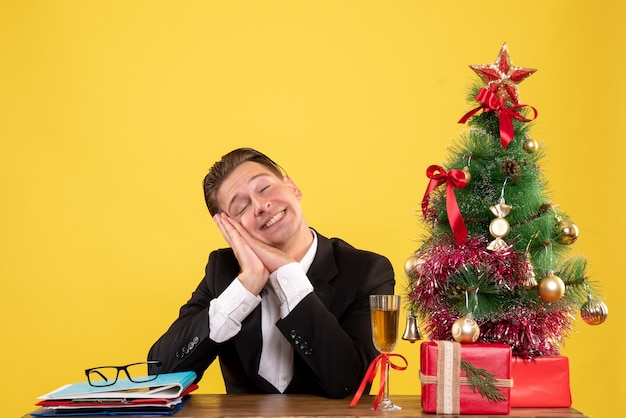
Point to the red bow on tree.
(489, 102)
(453, 178)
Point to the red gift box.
(541, 383)
(445, 389)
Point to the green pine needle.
(482, 381)
(483, 296)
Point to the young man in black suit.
(285, 309)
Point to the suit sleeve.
(335, 341)
(186, 344)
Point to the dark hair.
(224, 167)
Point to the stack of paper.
(162, 396)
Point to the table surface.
(313, 406)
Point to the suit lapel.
(322, 270)
(249, 340)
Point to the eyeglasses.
(136, 372)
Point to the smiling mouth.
(274, 219)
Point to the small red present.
(449, 371)
(541, 383)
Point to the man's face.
(266, 206)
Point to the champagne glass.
(385, 312)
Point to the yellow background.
(111, 112)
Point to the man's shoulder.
(351, 262)
(342, 247)
(222, 253)
(223, 258)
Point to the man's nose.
(261, 205)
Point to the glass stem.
(386, 389)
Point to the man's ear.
(296, 190)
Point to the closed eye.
(239, 206)
(242, 210)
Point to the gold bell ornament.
(412, 330)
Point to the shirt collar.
(307, 260)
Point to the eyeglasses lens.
(138, 372)
(102, 376)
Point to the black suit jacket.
(329, 329)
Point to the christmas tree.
(495, 264)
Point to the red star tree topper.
(501, 77)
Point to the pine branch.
(483, 381)
(484, 296)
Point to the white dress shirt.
(286, 287)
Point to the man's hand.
(254, 274)
(271, 257)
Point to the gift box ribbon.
(449, 380)
(382, 360)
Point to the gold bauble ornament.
(468, 175)
(594, 312)
(412, 265)
(465, 330)
(567, 232)
(530, 145)
(551, 288)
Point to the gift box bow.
(449, 379)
